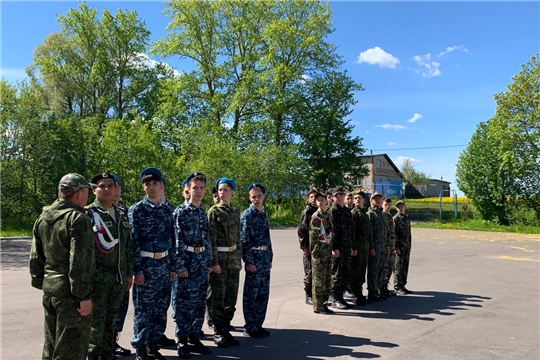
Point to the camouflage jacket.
(362, 229)
(343, 229)
(62, 259)
(152, 229)
(320, 249)
(120, 259)
(390, 232)
(378, 227)
(403, 232)
(255, 233)
(191, 229)
(303, 227)
(224, 223)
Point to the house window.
(378, 162)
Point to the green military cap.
(330, 192)
(312, 190)
(74, 182)
(359, 192)
(339, 190)
(374, 195)
(400, 202)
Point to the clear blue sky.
(429, 68)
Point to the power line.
(420, 148)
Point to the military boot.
(197, 346)
(182, 348)
(142, 354)
(219, 338)
(93, 357)
(373, 296)
(228, 337)
(118, 350)
(109, 356)
(153, 351)
(309, 299)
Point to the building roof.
(440, 180)
(389, 161)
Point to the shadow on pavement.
(15, 252)
(418, 305)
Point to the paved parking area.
(476, 297)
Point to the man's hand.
(184, 274)
(129, 283)
(397, 252)
(216, 269)
(85, 307)
(371, 252)
(209, 269)
(305, 252)
(316, 261)
(335, 253)
(354, 253)
(172, 276)
(139, 279)
(251, 268)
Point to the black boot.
(373, 296)
(228, 337)
(197, 346)
(118, 350)
(142, 354)
(153, 351)
(219, 338)
(309, 299)
(165, 341)
(182, 348)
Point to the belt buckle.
(157, 256)
(231, 248)
(197, 250)
(264, 247)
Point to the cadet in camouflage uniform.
(121, 318)
(349, 203)
(154, 265)
(303, 237)
(390, 249)
(194, 254)
(362, 234)
(224, 222)
(62, 264)
(342, 243)
(257, 255)
(376, 247)
(114, 266)
(320, 243)
(403, 248)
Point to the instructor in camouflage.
(303, 238)
(62, 264)
(403, 244)
(114, 266)
(376, 246)
(390, 250)
(362, 237)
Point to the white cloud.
(399, 160)
(449, 49)
(390, 143)
(427, 67)
(391, 127)
(377, 56)
(415, 117)
(146, 61)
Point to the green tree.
(481, 177)
(330, 153)
(412, 176)
(516, 125)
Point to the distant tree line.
(500, 168)
(267, 101)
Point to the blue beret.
(225, 180)
(263, 189)
(184, 183)
(115, 177)
(195, 174)
(152, 170)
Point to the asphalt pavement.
(476, 296)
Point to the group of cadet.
(341, 241)
(86, 258)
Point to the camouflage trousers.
(308, 276)
(389, 264)
(67, 333)
(376, 269)
(151, 302)
(107, 299)
(190, 303)
(358, 271)
(341, 274)
(224, 296)
(255, 298)
(121, 318)
(322, 282)
(402, 269)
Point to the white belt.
(195, 250)
(226, 248)
(154, 255)
(325, 241)
(262, 247)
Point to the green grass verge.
(476, 225)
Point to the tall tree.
(330, 152)
(412, 176)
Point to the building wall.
(380, 171)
